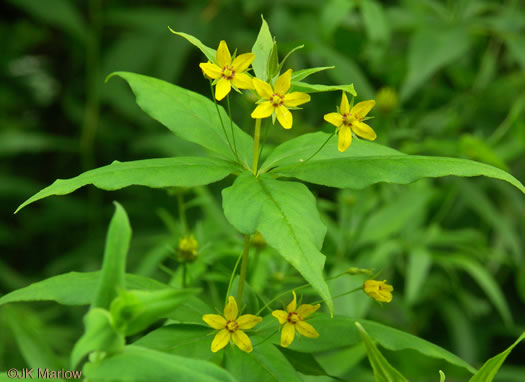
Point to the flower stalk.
(256, 140)
(244, 268)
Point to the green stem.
(244, 268)
(220, 119)
(182, 211)
(339, 295)
(320, 148)
(184, 268)
(256, 139)
(234, 271)
(231, 125)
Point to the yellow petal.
(222, 88)
(344, 108)
(296, 99)
(263, 110)
(223, 54)
(263, 89)
(362, 108)
(248, 321)
(242, 62)
(282, 85)
(242, 341)
(344, 138)
(242, 81)
(281, 315)
(211, 70)
(284, 116)
(215, 321)
(293, 305)
(306, 309)
(363, 130)
(230, 310)
(221, 340)
(306, 329)
(335, 119)
(287, 334)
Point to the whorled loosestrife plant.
(265, 206)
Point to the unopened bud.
(187, 249)
(258, 240)
(386, 99)
(358, 271)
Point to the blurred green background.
(448, 78)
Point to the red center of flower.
(347, 119)
(293, 318)
(276, 100)
(228, 72)
(232, 326)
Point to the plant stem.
(244, 266)
(184, 265)
(182, 211)
(256, 139)
(231, 126)
(220, 119)
(231, 278)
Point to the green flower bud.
(258, 240)
(358, 271)
(386, 100)
(188, 249)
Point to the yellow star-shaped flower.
(351, 121)
(378, 290)
(278, 100)
(229, 73)
(294, 319)
(232, 327)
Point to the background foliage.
(453, 248)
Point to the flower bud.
(358, 271)
(386, 100)
(258, 240)
(187, 249)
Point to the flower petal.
(215, 321)
(296, 99)
(248, 321)
(335, 119)
(362, 108)
(230, 310)
(242, 81)
(221, 340)
(211, 70)
(306, 329)
(263, 89)
(223, 55)
(222, 88)
(306, 309)
(242, 341)
(344, 138)
(242, 62)
(281, 315)
(287, 334)
(282, 85)
(263, 110)
(284, 116)
(293, 305)
(363, 130)
(344, 108)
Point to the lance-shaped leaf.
(189, 115)
(155, 173)
(317, 88)
(114, 264)
(262, 48)
(285, 214)
(366, 163)
(210, 53)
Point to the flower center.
(232, 326)
(276, 100)
(228, 72)
(347, 119)
(293, 318)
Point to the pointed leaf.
(300, 75)
(208, 52)
(262, 48)
(313, 88)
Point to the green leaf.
(383, 371)
(114, 265)
(448, 44)
(155, 173)
(141, 364)
(99, 335)
(305, 363)
(366, 163)
(312, 88)
(419, 263)
(285, 214)
(188, 115)
(73, 288)
(210, 53)
(302, 74)
(264, 364)
(262, 48)
(488, 371)
(484, 280)
(375, 21)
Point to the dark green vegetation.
(452, 247)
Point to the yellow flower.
(229, 73)
(278, 100)
(230, 326)
(378, 290)
(294, 319)
(351, 121)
